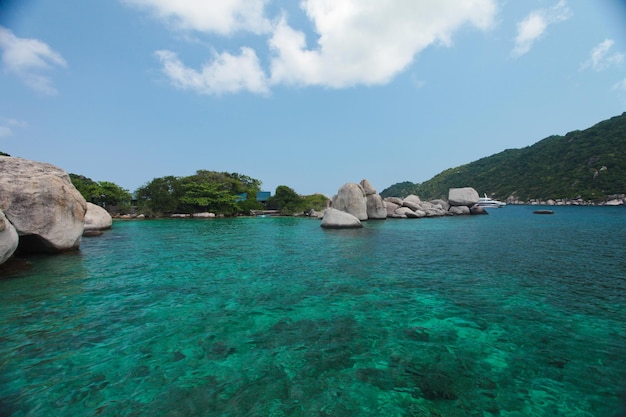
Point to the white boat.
(487, 202)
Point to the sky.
(310, 94)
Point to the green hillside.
(588, 164)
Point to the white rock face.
(43, 205)
(337, 219)
(351, 199)
(8, 239)
(97, 218)
(462, 196)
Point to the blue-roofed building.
(241, 197)
(263, 196)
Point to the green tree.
(159, 196)
(286, 200)
(105, 193)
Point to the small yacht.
(487, 202)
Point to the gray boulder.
(337, 219)
(43, 205)
(412, 198)
(405, 212)
(97, 218)
(8, 239)
(394, 200)
(351, 199)
(412, 205)
(459, 210)
(443, 203)
(390, 208)
(462, 196)
(375, 207)
(368, 188)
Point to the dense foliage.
(588, 164)
(104, 193)
(288, 201)
(211, 191)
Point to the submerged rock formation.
(43, 205)
(8, 239)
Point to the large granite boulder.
(8, 239)
(466, 196)
(97, 218)
(368, 188)
(375, 207)
(337, 219)
(351, 199)
(41, 202)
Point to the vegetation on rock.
(588, 164)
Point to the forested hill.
(588, 164)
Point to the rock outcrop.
(463, 196)
(97, 219)
(351, 199)
(8, 239)
(375, 205)
(337, 219)
(43, 205)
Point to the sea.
(509, 314)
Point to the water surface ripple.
(510, 314)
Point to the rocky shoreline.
(611, 200)
(355, 203)
(42, 211)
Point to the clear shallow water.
(511, 314)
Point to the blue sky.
(309, 94)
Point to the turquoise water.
(511, 314)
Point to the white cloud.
(368, 42)
(219, 16)
(600, 58)
(355, 41)
(535, 24)
(225, 74)
(27, 58)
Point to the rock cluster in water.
(354, 203)
(41, 210)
